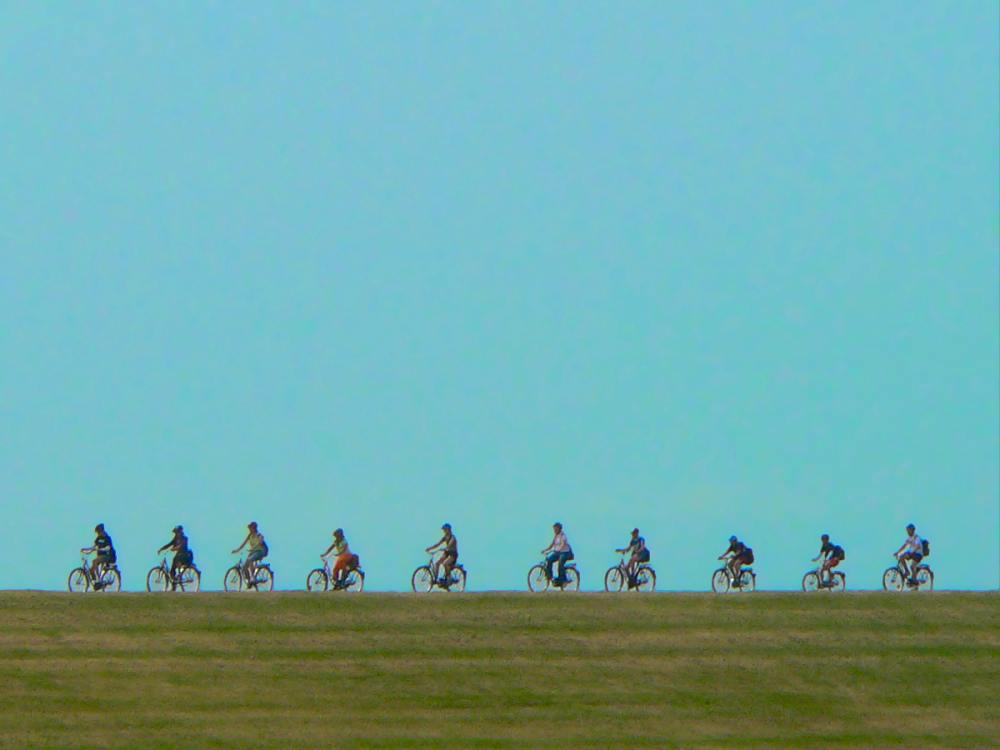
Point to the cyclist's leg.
(549, 562)
(563, 558)
(449, 564)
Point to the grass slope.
(498, 671)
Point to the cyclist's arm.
(242, 545)
(329, 550)
(434, 547)
(88, 550)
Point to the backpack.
(925, 547)
(839, 553)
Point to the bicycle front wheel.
(422, 579)
(537, 579)
(233, 580)
(614, 579)
(645, 579)
(156, 580)
(189, 579)
(78, 581)
(317, 580)
(720, 581)
(810, 581)
(892, 580)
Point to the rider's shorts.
(183, 558)
(915, 556)
(257, 555)
(106, 558)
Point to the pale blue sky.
(708, 268)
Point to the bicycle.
(109, 578)
(159, 578)
(896, 579)
(723, 581)
(260, 578)
(319, 579)
(813, 581)
(423, 579)
(539, 580)
(617, 577)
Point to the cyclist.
(912, 551)
(256, 550)
(105, 554)
(448, 544)
(558, 552)
(833, 555)
(346, 560)
(739, 555)
(183, 556)
(638, 553)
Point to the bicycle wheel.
(189, 579)
(720, 581)
(838, 582)
(422, 579)
(111, 580)
(156, 580)
(458, 579)
(355, 581)
(810, 581)
(537, 580)
(317, 580)
(233, 580)
(78, 581)
(264, 579)
(572, 580)
(614, 579)
(645, 579)
(925, 579)
(748, 580)
(892, 580)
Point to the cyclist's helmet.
(338, 532)
(446, 527)
(99, 528)
(825, 537)
(635, 531)
(557, 525)
(178, 528)
(252, 525)
(910, 527)
(732, 539)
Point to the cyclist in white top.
(912, 551)
(558, 552)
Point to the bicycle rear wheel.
(78, 581)
(317, 580)
(572, 580)
(458, 579)
(645, 579)
(156, 579)
(233, 580)
(925, 579)
(810, 581)
(111, 580)
(838, 582)
(892, 580)
(614, 579)
(748, 581)
(422, 579)
(355, 581)
(264, 579)
(189, 579)
(537, 579)
(720, 581)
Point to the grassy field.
(499, 671)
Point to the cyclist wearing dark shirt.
(832, 555)
(183, 556)
(638, 553)
(448, 546)
(105, 552)
(739, 555)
